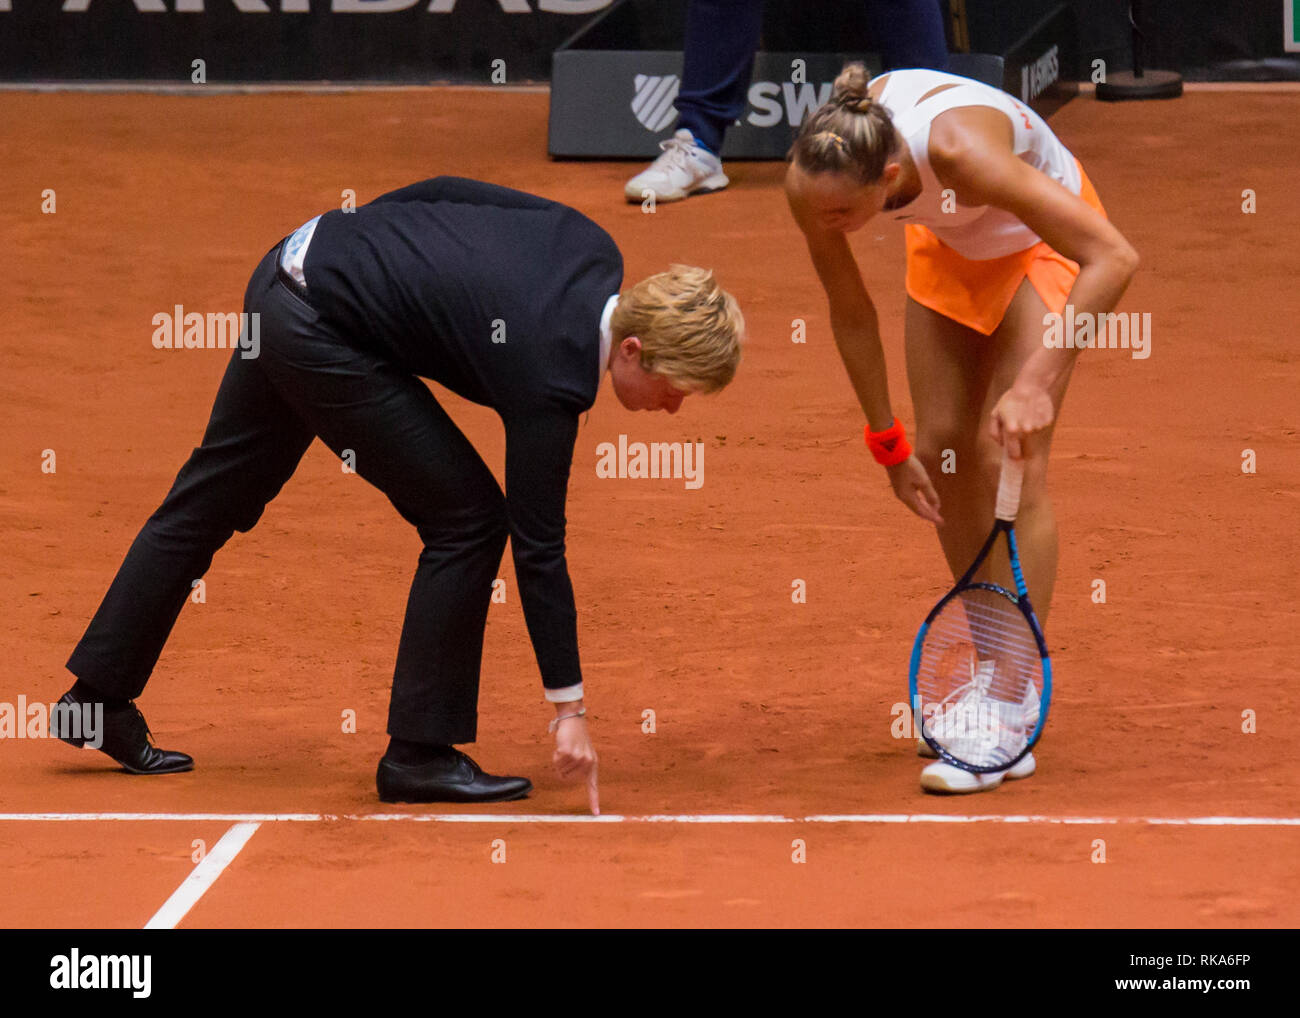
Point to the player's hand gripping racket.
(980, 678)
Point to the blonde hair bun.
(850, 88)
(849, 134)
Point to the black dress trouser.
(309, 381)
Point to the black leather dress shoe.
(126, 738)
(453, 777)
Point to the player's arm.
(971, 152)
(854, 323)
(539, 453)
(856, 329)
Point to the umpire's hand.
(575, 758)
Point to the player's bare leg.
(949, 370)
(956, 376)
(1016, 339)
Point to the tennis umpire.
(508, 300)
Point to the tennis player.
(1003, 228)
(511, 301)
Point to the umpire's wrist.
(574, 714)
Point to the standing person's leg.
(909, 33)
(404, 443)
(721, 39)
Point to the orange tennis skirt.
(977, 293)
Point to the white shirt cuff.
(565, 695)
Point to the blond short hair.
(689, 327)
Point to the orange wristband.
(889, 447)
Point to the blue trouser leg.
(908, 33)
(721, 39)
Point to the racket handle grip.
(1013, 475)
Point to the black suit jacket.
(497, 295)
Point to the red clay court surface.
(773, 718)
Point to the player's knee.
(943, 451)
(1033, 491)
(1033, 488)
(988, 463)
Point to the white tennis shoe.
(948, 731)
(956, 733)
(682, 170)
(959, 714)
(945, 778)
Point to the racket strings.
(978, 679)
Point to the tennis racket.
(980, 677)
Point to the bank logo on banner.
(653, 102)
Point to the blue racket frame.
(1020, 598)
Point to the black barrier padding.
(1201, 39)
(39, 41)
(633, 24)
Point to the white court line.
(254, 819)
(202, 877)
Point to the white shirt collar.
(606, 336)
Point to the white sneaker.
(983, 677)
(945, 778)
(951, 726)
(684, 169)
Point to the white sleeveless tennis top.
(982, 231)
